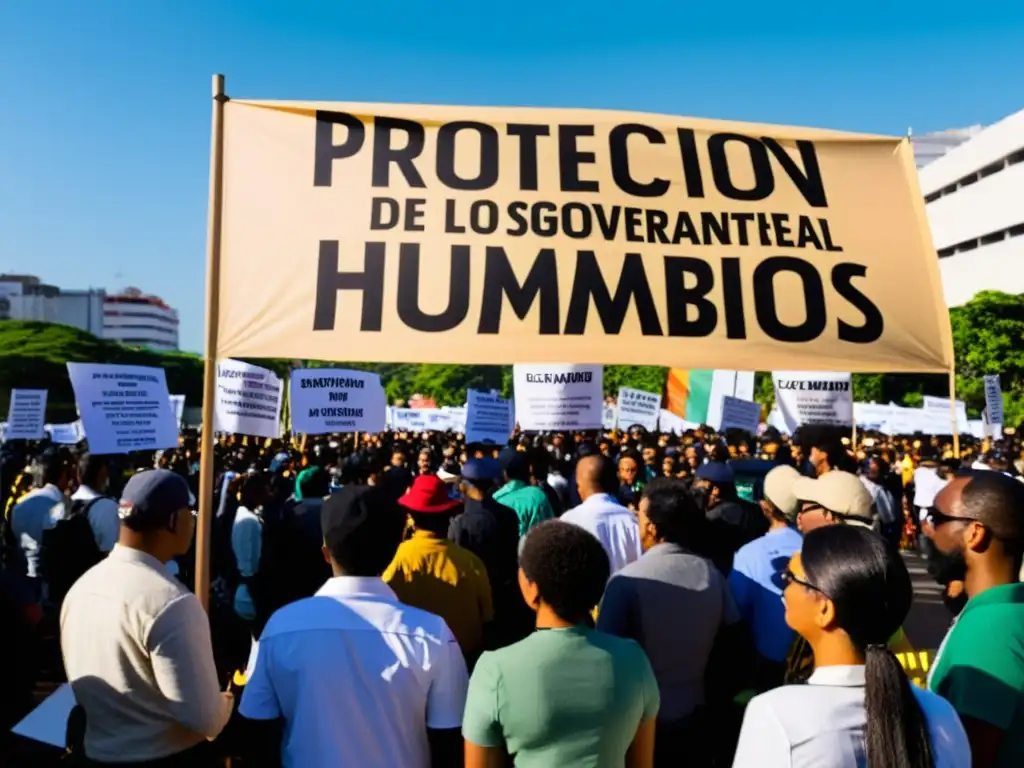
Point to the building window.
(971, 178)
(991, 238)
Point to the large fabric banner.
(450, 234)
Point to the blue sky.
(104, 124)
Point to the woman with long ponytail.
(846, 594)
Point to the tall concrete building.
(25, 297)
(140, 320)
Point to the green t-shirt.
(561, 697)
(980, 666)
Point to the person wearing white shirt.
(93, 479)
(602, 515)
(247, 541)
(847, 592)
(351, 677)
(39, 511)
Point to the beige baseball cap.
(841, 493)
(778, 489)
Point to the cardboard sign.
(26, 415)
(123, 408)
(489, 418)
(638, 407)
(248, 400)
(807, 397)
(558, 397)
(329, 400)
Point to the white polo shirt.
(823, 723)
(358, 678)
(612, 524)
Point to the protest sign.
(326, 400)
(873, 417)
(123, 408)
(456, 417)
(638, 407)
(609, 415)
(555, 397)
(937, 408)
(444, 234)
(26, 414)
(994, 405)
(66, 434)
(813, 397)
(248, 400)
(411, 419)
(488, 418)
(178, 406)
(740, 414)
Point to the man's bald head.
(596, 474)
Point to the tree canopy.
(988, 335)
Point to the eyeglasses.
(788, 577)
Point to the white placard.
(994, 405)
(456, 417)
(558, 397)
(676, 425)
(635, 406)
(248, 400)
(419, 420)
(873, 417)
(977, 428)
(178, 405)
(740, 414)
(813, 397)
(724, 383)
(609, 415)
(938, 408)
(65, 434)
(488, 418)
(26, 416)
(329, 400)
(123, 408)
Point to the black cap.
(150, 498)
(357, 510)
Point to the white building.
(929, 147)
(974, 195)
(138, 320)
(24, 297)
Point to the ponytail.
(897, 732)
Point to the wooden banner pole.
(952, 413)
(213, 232)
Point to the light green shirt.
(561, 697)
(980, 666)
(528, 501)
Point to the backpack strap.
(84, 509)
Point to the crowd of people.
(592, 599)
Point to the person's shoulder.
(936, 709)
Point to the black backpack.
(69, 549)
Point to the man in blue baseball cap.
(732, 522)
(136, 642)
(490, 530)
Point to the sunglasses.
(937, 518)
(788, 577)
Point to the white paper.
(874, 417)
(178, 404)
(328, 400)
(66, 434)
(488, 418)
(48, 722)
(938, 408)
(994, 404)
(248, 400)
(123, 408)
(635, 406)
(552, 397)
(813, 397)
(26, 415)
(419, 420)
(740, 414)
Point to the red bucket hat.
(428, 494)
